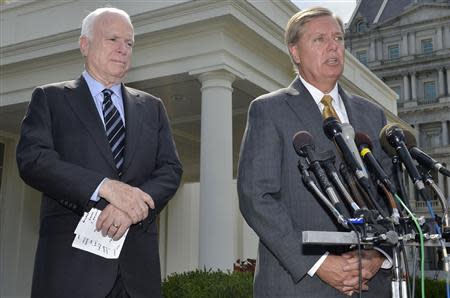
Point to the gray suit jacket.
(273, 199)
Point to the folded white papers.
(87, 238)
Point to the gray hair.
(87, 26)
(296, 25)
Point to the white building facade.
(207, 60)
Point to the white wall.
(19, 223)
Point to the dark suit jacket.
(273, 199)
(64, 153)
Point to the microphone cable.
(422, 249)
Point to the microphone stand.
(398, 174)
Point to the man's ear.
(84, 45)
(293, 49)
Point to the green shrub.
(433, 288)
(207, 284)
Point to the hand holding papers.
(87, 238)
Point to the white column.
(439, 38)
(444, 133)
(218, 213)
(447, 38)
(412, 43)
(379, 49)
(448, 80)
(405, 44)
(441, 82)
(372, 50)
(413, 87)
(406, 88)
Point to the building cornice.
(158, 20)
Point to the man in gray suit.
(272, 198)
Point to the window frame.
(390, 48)
(423, 45)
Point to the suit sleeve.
(39, 163)
(259, 184)
(165, 178)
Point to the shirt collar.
(96, 87)
(317, 94)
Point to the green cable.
(422, 254)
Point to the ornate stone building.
(406, 43)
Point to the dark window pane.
(427, 46)
(394, 51)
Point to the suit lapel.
(302, 103)
(80, 100)
(356, 119)
(133, 124)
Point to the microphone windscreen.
(331, 126)
(389, 128)
(300, 140)
(363, 140)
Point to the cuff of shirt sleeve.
(316, 266)
(95, 197)
(387, 263)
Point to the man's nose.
(123, 48)
(332, 43)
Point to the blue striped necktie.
(115, 129)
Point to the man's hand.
(331, 272)
(371, 261)
(113, 222)
(133, 201)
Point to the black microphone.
(421, 157)
(311, 185)
(330, 169)
(392, 136)
(365, 146)
(427, 161)
(333, 130)
(304, 146)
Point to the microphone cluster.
(357, 188)
(362, 183)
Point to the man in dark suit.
(95, 142)
(272, 198)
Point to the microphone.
(304, 146)
(392, 136)
(330, 169)
(421, 157)
(365, 146)
(427, 161)
(311, 185)
(349, 134)
(333, 130)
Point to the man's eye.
(318, 39)
(113, 39)
(339, 38)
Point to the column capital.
(216, 75)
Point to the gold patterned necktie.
(328, 110)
